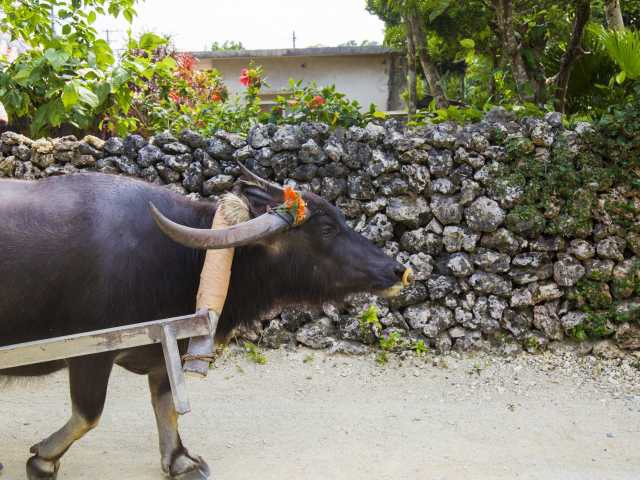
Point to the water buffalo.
(82, 252)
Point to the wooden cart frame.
(167, 332)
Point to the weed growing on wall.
(368, 320)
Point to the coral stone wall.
(427, 196)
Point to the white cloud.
(195, 24)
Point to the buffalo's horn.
(272, 188)
(235, 236)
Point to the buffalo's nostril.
(399, 270)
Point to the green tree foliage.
(66, 75)
(363, 43)
(532, 54)
(226, 46)
(60, 24)
(69, 78)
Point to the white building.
(370, 74)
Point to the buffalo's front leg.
(88, 379)
(176, 460)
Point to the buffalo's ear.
(259, 199)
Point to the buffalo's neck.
(252, 290)
(203, 213)
(259, 280)
(196, 215)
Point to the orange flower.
(301, 211)
(186, 62)
(293, 201)
(290, 196)
(317, 101)
(175, 96)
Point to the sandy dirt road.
(305, 415)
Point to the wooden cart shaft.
(167, 332)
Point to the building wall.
(361, 78)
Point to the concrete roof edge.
(296, 52)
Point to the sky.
(195, 24)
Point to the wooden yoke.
(214, 284)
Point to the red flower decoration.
(317, 101)
(244, 77)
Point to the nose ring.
(407, 277)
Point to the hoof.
(196, 469)
(41, 469)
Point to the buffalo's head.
(314, 257)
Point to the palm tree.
(623, 46)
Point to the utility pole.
(294, 39)
(111, 36)
(52, 20)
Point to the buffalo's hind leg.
(176, 460)
(88, 379)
